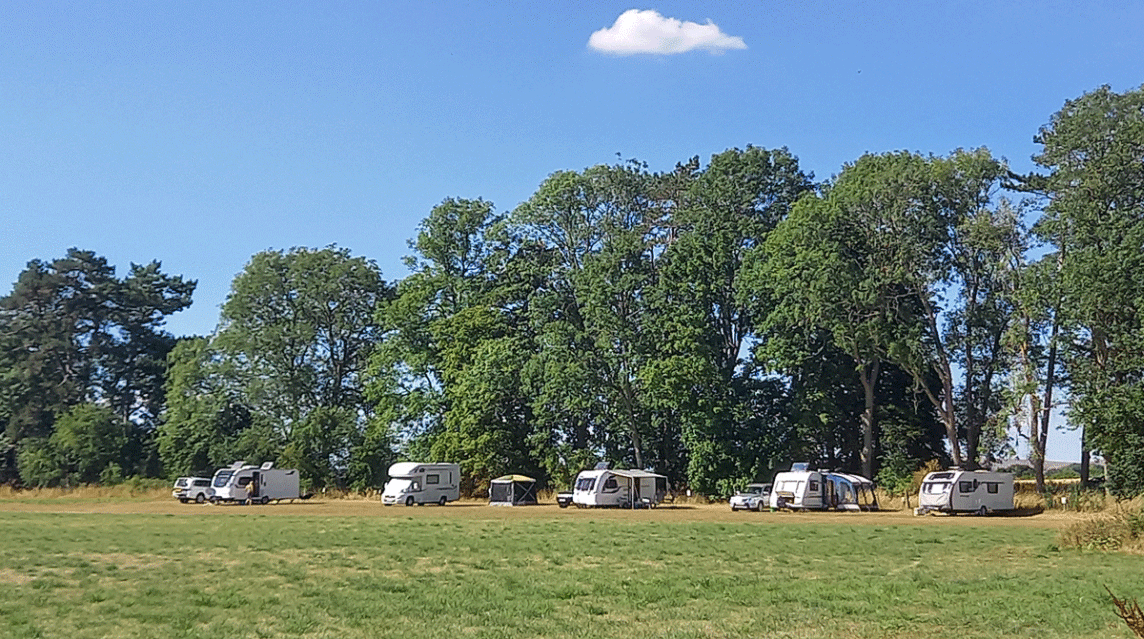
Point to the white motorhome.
(965, 491)
(416, 483)
(820, 490)
(603, 488)
(257, 484)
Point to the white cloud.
(646, 31)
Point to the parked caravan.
(512, 490)
(965, 491)
(603, 488)
(821, 490)
(258, 484)
(416, 483)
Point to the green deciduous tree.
(285, 372)
(1093, 149)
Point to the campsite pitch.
(355, 569)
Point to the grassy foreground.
(254, 574)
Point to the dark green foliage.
(1094, 151)
(71, 333)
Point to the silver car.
(196, 489)
(753, 497)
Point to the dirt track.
(480, 510)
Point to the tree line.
(714, 322)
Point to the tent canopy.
(512, 490)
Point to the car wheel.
(409, 501)
(442, 501)
(182, 500)
(200, 498)
(759, 507)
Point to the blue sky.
(201, 133)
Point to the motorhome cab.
(602, 488)
(258, 484)
(965, 491)
(819, 490)
(416, 483)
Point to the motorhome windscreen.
(935, 487)
(222, 478)
(398, 485)
(586, 483)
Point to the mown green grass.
(101, 575)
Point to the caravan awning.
(635, 474)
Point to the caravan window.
(935, 487)
(967, 486)
(243, 481)
(223, 478)
(611, 485)
(790, 486)
(813, 486)
(586, 483)
(992, 487)
(432, 479)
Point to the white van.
(197, 489)
(965, 491)
(416, 483)
(603, 488)
(257, 484)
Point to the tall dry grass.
(1119, 527)
(131, 489)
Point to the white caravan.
(602, 488)
(258, 484)
(416, 483)
(965, 491)
(819, 490)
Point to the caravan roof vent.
(603, 466)
(267, 465)
(799, 466)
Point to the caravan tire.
(214, 500)
(983, 511)
(265, 500)
(200, 498)
(443, 501)
(409, 501)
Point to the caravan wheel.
(983, 511)
(265, 500)
(409, 500)
(443, 501)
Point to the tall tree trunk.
(869, 377)
(1041, 437)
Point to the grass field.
(153, 569)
